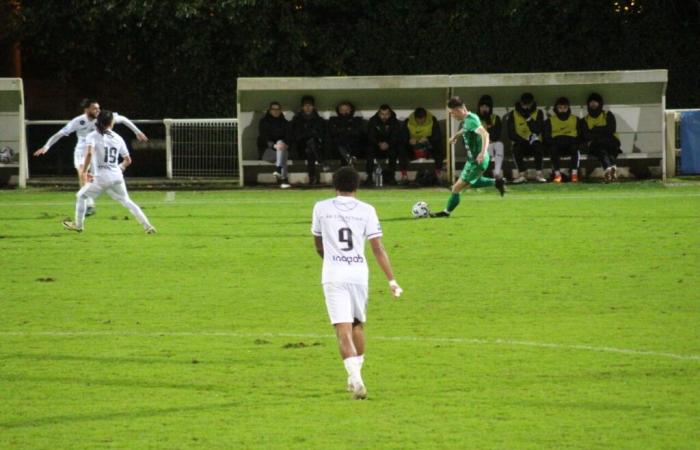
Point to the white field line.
(418, 339)
(472, 197)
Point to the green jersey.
(472, 139)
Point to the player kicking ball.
(104, 147)
(340, 226)
(476, 140)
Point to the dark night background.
(154, 59)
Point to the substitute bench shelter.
(637, 98)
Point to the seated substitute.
(599, 128)
(425, 138)
(492, 123)
(525, 125)
(309, 132)
(386, 138)
(562, 134)
(346, 134)
(274, 138)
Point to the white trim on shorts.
(346, 302)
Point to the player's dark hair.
(86, 102)
(346, 179)
(384, 107)
(455, 102)
(104, 120)
(274, 103)
(420, 112)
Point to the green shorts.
(473, 171)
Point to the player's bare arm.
(481, 131)
(383, 261)
(85, 168)
(318, 243)
(125, 163)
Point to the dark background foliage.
(156, 58)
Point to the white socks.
(353, 365)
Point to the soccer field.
(556, 317)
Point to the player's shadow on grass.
(128, 415)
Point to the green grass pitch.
(562, 317)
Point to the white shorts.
(346, 302)
(78, 158)
(112, 184)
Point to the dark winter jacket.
(490, 121)
(392, 132)
(273, 129)
(306, 127)
(346, 130)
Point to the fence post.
(168, 149)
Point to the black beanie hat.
(486, 100)
(595, 96)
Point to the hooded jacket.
(490, 121)
(599, 125)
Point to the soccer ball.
(6, 155)
(420, 210)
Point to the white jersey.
(84, 125)
(106, 150)
(345, 223)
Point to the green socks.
(452, 202)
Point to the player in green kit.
(476, 140)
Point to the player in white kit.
(82, 126)
(340, 226)
(103, 149)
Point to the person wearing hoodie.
(425, 138)
(493, 125)
(599, 134)
(386, 138)
(274, 138)
(525, 124)
(309, 132)
(562, 133)
(346, 134)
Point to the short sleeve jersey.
(107, 148)
(472, 139)
(345, 223)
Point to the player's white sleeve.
(118, 118)
(316, 222)
(374, 228)
(63, 132)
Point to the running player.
(340, 226)
(82, 126)
(104, 147)
(476, 140)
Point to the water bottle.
(378, 178)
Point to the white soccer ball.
(420, 210)
(6, 155)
